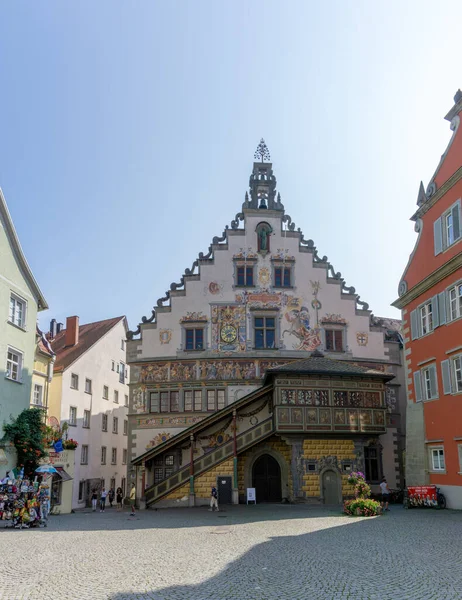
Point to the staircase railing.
(210, 459)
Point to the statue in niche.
(264, 231)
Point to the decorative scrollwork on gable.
(290, 224)
(175, 286)
(362, 304)
(131, 334)
(330, 269)
(402, 288)
(160, 301)
(151, 318)
(218, 240)
(237, 218)
(348, 289)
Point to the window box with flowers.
(70, 444)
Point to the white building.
(89, 391)
(262, 297)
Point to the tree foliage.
(28, 434)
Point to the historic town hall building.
(262, 369)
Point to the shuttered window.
(451, 372)
(429, 383)
(455, 302)
(447, 228)
(428, 316)
(426, 384)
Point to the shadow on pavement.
(357, 559)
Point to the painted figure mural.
(297, 316)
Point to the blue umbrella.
(46, 469)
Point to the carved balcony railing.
(330, 419)
(209, 460)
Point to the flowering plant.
(364, 507)
(354, 476)
(362, 489)
(70, 444)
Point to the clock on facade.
(228, 333)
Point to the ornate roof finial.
(262, 152)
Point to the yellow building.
(42, 374)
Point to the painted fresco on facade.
(298, 318)
(160, 438)
(222, 370)
(264, 277)
(228, 328)
(215, 288)
(151, 422)
(362, 338)
(283, 254)
(154, 372)
(194, 317)
(245, 253)
(182, 371)
(165, 335)
(335, 319)
(139, 400)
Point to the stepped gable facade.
(261, 298)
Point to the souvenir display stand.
(24, 503)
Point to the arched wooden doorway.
(266, 479)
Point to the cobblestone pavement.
(243, 553)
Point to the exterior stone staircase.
(209, 460)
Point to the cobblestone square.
(242, 553)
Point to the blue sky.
(128, 131)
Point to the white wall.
(96, 364)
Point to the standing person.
(94, 499)
(214, 499)
(385, 493)
(111, 496)
(119, 498)
(102, 500)
(132, 499)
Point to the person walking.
(110, 496)
(132, 500)
(119, 498)
(385, 493)
(214, 499)
(94, 499)
(102, 500)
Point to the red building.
(430, 296)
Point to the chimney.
(60, 327)
(53, 329)
(72, 331)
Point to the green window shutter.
(433, 381)
(442, 307)
(438, 233)
(446, 373)
(435, 312)
(456, 220)
(414, 325)
(418, 386)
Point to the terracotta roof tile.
(89, 334)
